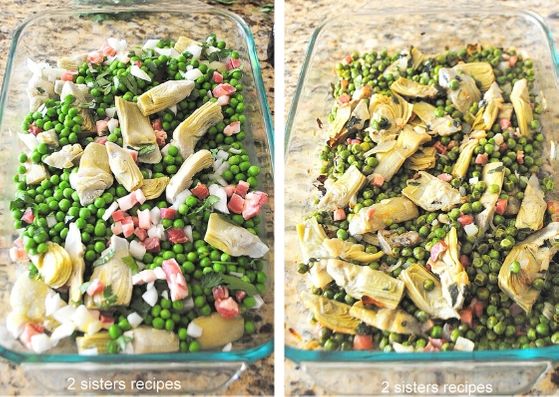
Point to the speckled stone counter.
(258, 378)
(302, 17)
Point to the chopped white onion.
(119, 45)
(188, 231)
(109, 212)
(134, 319)
(53, 302)
(194, 330)
(155, 215)
(136, 71)
(154, 232)
(28, 140)
(151, 43)
(222, 154)
(159, 273)
(217, 164)
(64, 314)
(399, 348)
(110, 112)
(137, 249)
(227, 347)
(471, 229)
(181, 198)
(93, 327)
(51, 221)
(195, 50)
(173, 109)
(473, 181)
(259, 302)
(89, 352)
(193, 74)
(235, 151)
(219, 192)
(161, 231)
(150, 296)
(112, 124)
(169, 52)
(165, 149)
(211, 49)
(64, 330)
(81, 316)
(40, 343)
(464, 344)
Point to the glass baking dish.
(45, 37)
(431, 30)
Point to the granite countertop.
(301, 18)
(258, 378)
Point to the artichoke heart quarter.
(493, 175)
(424, 159)
(391, 113)
(391, 320)
(448, 267)
(189, 132)
(532, 209)
(410, 88)
(75, 248)
(431, 193)
(362, 282)
(124, 167)
(340, 192)
(182, 180)
(311, 236)
(94, 173)
(55, 266)
(520, 99)
(432, 301)
(487, 114)
(318, 275)
(467, 92)
(65, 157)
(442, 126)
(460, 168)
(378, 216)
(330, 313)
(152, 188)
(337, 130)
(480, 71)
(118, 276)
(164, 95)
(349, 251)
(232, 239)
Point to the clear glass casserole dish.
(432, 30)
(76, 30)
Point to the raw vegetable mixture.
(435, 228)
(137, 205)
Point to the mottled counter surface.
(258, 379)
(301, 18)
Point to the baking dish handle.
(427, 377)
(145, 378)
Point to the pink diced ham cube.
(101, 126)
(28, 216)
(177, 236)
(339, 214)
(242, 188)
(140, 197)
(168, 213)
(140, 233)
(201, 191)
(116, 228)
(144, 220)
(95, 287)
(119, 215)
(217, 77)
(232, 129)
(223, 89)
(227, 308)
(152, 244)
(229, 190)
(232, 63)
(236, 204)
(128, 229)
(175, 280)
(253, 203)
(127, 202)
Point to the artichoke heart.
(232, 239)
(448, 267)
(330, 313)
(49, 138)
(98, 341)
(75, 249)
(189, 132)
(27, 297)
(152, 188)
(467, 92)
(124, 167)
(183, 43)
(71, 62)
(521, 103)
(35, 173)
(218, 331)
(410, 88)
(55, 266)
(390, 320)
(164, 95)
(94, 174)
(65, 157)
(480, 71)
(424, 159)
(349, 251)
(337, 127)
(391, 113)
(431, 193)
(408, 142)
(362, 282)
(81, 95)
(442, 126)
(199, 161)
(432, 301)
(311, 235)
(493, 175)
(150, 340)
(408, 58)
(460, 168)
(340, 192)
(532, 209)
(487, 114)
(378, 216)
(526, 262)
(318, 275)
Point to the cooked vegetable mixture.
(435, 228)
(137, 205)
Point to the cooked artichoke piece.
(183, 43)
(337, 129)
(340, 192)
(199, 161)
(99, 341)
(311, 236)
(94, 174)
(150, 340)
(407, 144)
(55, 266)
(35, 174)
(330, 313)
(71, 62)
(406, 239)
(431, 193)
(410, 88)
(164, 95)
(448, 267)
(460, 168)
(152, 188)
(467, 92)
(521, 102)
(432, 301)
(218, 331)
(113, 274)
(81, 94)
(526, 262)
(27, 297)
(349, 251)
(480, 71)
(65, 157)
(362, 282)
(189, 132)
(49, 138)
(442, 126)
(378, 216)
(359, 115)
(75, 248)
(493, 175)
(409, 58)
(124, 167)
(487, 114)
(391, 113)
(390, 320)
(532, 209)
(232, 239)
(318, 275)
(424, 159)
